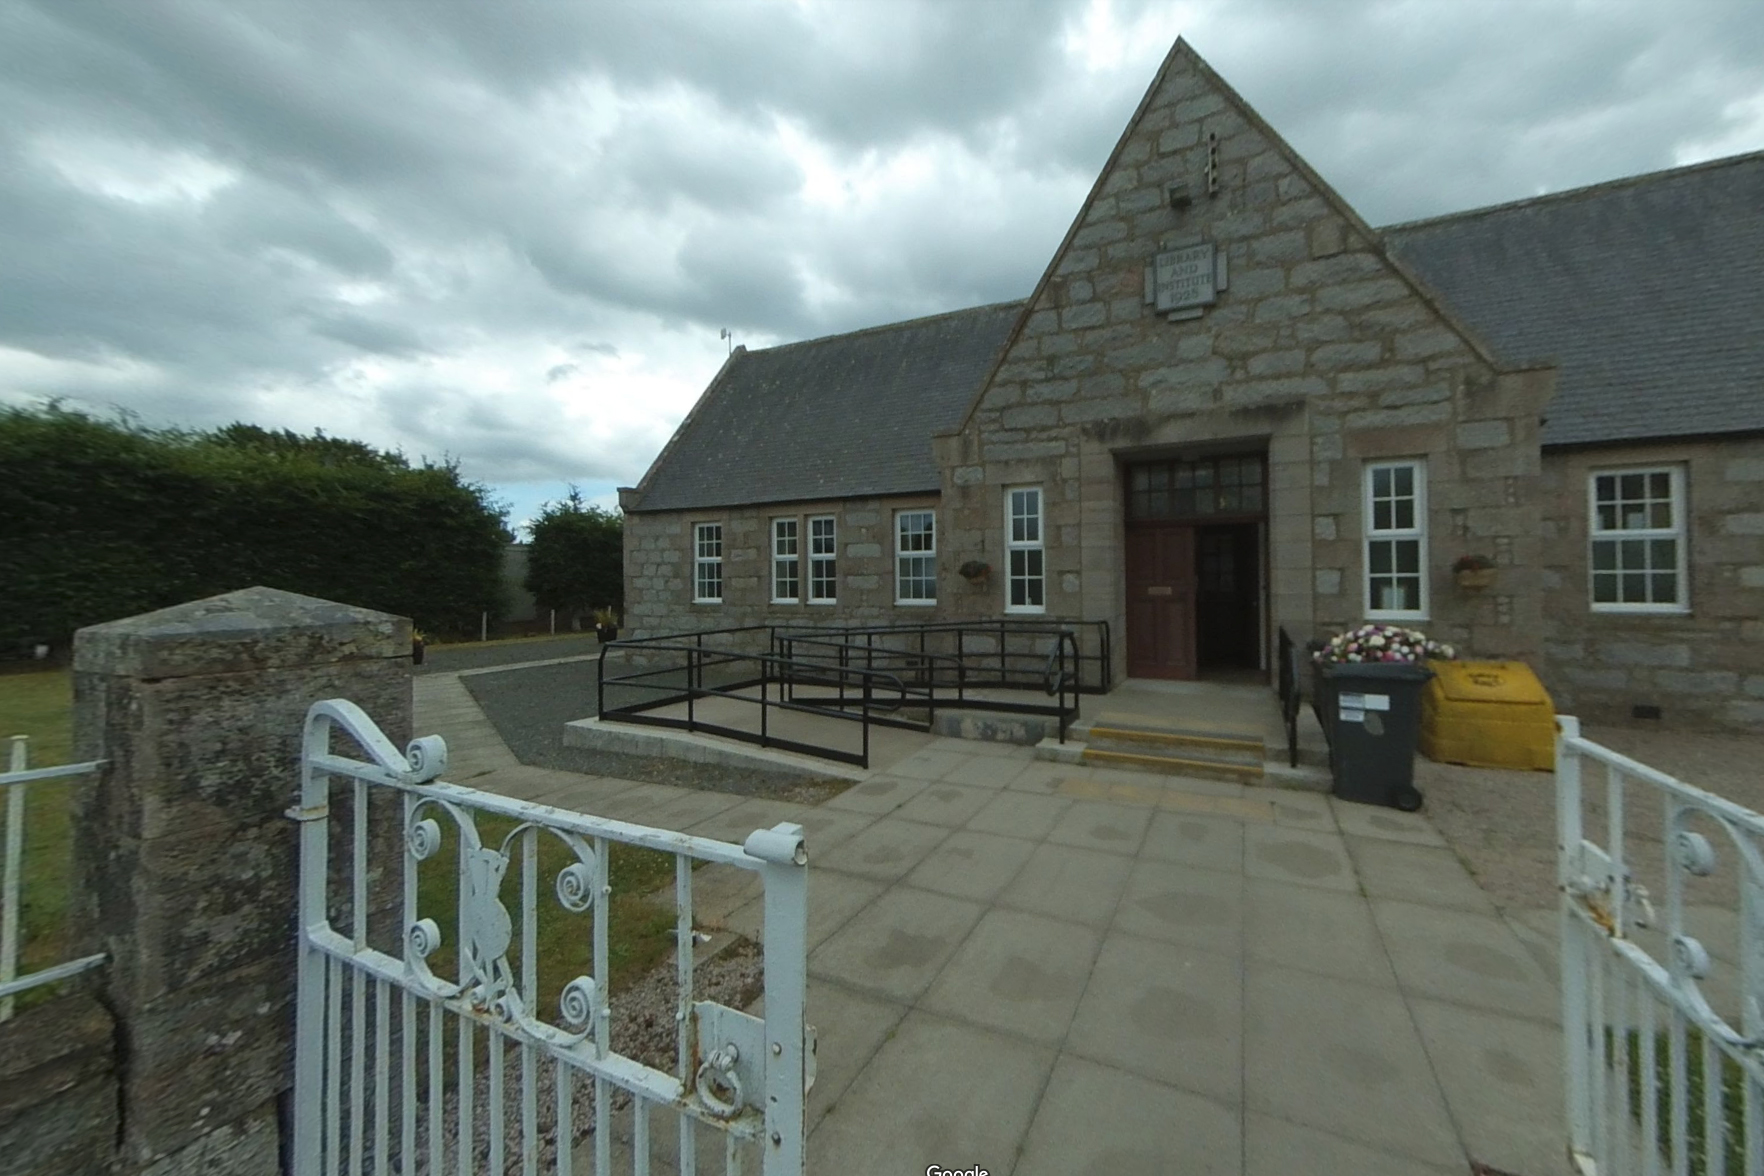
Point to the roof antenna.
(725, 334)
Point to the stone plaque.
(1184, 277)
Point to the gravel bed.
(529, 708)
(643, 1028)
(1503, 824)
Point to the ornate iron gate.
(1660, 1077)
(388, 1051)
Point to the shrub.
(101, 519)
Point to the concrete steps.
(1237, 758)
(1209, 753)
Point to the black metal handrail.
(771, 670)
(878, 672)
(1291, 675)
(985, 648)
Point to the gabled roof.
(845, 416)
(1647, 292)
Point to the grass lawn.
(1733, 1114)
(640, 934)
(40, 705)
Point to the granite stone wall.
(1321, 352)
(1703, 668)
(659, 568)
(185, 870)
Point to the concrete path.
(1035, 968)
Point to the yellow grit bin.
(1488, 714)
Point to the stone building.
(1230, 405)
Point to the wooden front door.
(1160, 600)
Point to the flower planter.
(1476, 579)
(416, 651)
(607, 632)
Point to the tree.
(577, 558)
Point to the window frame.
(1418, 533)
(1012, 545)
(701, 561)
(1678, 533)
(794, 558)
(830, 558)
(901, 555)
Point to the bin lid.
(1490, 681)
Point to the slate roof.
(846, 416)
(1648, 292)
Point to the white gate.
(1663, 1007)
(388, 1054)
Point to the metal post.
(1573, 938)
(765, 691)
(692, 670)
(309, 1013)
(554, 622)
(786, 979)
(867, 685)
(484, 626)
(9, 889)
(600, 685)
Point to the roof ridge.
(1582, 191)
(879, 327)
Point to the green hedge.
(105, 519)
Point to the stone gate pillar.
(186, 864)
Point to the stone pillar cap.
(239, 632)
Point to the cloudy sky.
(510, 233)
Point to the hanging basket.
(1477, 579)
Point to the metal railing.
(691, 672)
(14, 783)
(1291, 686)
(890, 676)
(1663, 1022)
(401, 1068)
(1008, 653)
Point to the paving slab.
(1201, 842)
(945, 804)
(1464, 958)
(1179, 904)
(1064, 882)
(937, 1093)
(1343, 1058)
(1502, 1082)
(833, 900)
(1017, 973)
(1166, 1012)
(733, 824)
(992, 770)
(878, 796)
(1275, 1147)
(1425, 874)
(1298, 856)
(825, 829)
(1019, 814)
(1111, 828)
(1096, 1119)
(1314, 930)
(895, 947)
(1040, 777)
(886, 849)
(929, 765)
(972, 865)
(1370, 820)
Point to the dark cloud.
(511, 232)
